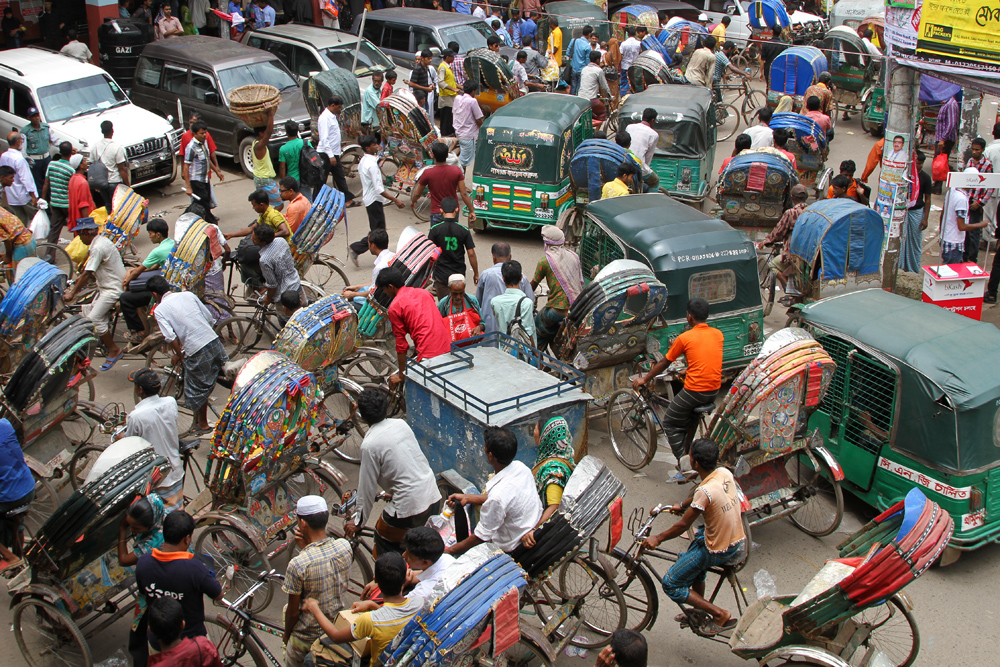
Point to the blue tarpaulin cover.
(595, 163)
(845, 236)
(802, 126)
(795, 69)
(767, 14)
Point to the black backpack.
(310, 166)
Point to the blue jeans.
(574, 87)
(691, 567)
(952, 255)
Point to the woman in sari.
(144, 519)
(553, 467)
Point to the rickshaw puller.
(714, 545)
(702, 347)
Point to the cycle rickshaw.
(852, 68)
(753, 190)
(29, 307)
(679, 42)
(73, 587)
(649, 68)
(319, 88)
(632, 15)
(809, 145)
(792, 72)
(408, 135)
(497, 86)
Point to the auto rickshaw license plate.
(752, 348)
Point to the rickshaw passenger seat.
(703, 409)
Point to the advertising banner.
(960, 33)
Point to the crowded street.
(434, 404)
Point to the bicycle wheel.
(525, 653)
(81, 463)
(230, 550)
(768, 284)
(604, 607)
(752, 103)
(242, 337)
(362, 571)
(890, 628)
(313, 481)
(423, 208)
(80, 426)
(44, 505)
(639, 588)
(346, 442)
(158, 360)
(632, 430)
(727, 120)
(370, 367)
(233, 650)
(824, 499)
(54, 254)
(325, 274)
(47, 637)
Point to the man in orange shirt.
(874, 159)
(701, 346)
(298, 205)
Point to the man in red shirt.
(413, 311)
(166, 622)
(443, 180)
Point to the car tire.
(244, 156)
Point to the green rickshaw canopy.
(679, 242)
(526, 138)
(946, 361)
(685, 118)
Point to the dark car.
(401, 31)
(176, 76)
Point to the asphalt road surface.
(955, 607)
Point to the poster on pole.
(901, 26)
(960, 33)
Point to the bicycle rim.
(233, 651)
(891, 629)
(639, 589)
(728, 121)
(633, 435)
(604, 605)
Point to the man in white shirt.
(105, 266)
(425, 556)
(510, 506)
(992, 153)
(373, 193)
(479, 12)
(155, 419)
(112, 155)
(955, 222)
(378, 245)
(593, 83)
(761, 135)
(75, 48)
(392, 459)
(22, 192)
(630, 49)
(644, 137)
(186, 325)
(329, 146)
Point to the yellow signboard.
(961, 32)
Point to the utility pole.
(894, 186)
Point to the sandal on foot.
(110, 362)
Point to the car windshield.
(469, 36)
(79, 97)
(370, 59)
(270, 73)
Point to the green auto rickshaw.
(572, 15)
(693, 255)
(686, 122)
(913, 402)
(520, 178)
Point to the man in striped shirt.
(276, 264)
(55, 190)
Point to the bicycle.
(769, 281)
(236, 639)
(753, 100)
(639, 580)
(634, 425)
(748, 59)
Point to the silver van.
(402, 31)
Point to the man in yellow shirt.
(379, 623)
(622, 185)
(555, 48)
(719, 31)
(447, 91)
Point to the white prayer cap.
(311, 505)
(456, 278)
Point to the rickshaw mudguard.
(824, 453)
(40, 469)
(813, 654)
(57, 598)
(535, 636)
(237, 521)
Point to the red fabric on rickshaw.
(815, 383)
(757, 177)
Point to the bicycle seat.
(188, 446)
(704, 409)
(15, 511)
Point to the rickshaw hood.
(848, 235)
(796, 68)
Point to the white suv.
(74, 98)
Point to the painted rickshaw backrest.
(191, 258)
(320, 334)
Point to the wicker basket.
(254, 104)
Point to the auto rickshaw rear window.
(597, 250)
(713, 286)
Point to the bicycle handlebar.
(264, 578)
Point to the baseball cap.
(308, 505)
(145, 378)
(799, 191)
(84, 223)
(702, 17)
(75, 160)
(32, 111)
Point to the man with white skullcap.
(319, 571)
(457, 302)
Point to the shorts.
(296, 650)
(270, 186)
(692, 565)
(99, 311)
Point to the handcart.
(73, 586)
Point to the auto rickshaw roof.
(673, 103)
(961, 356)
(575, 9)
(543, 114)
(668, 234)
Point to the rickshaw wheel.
(768, 284)
(350, 159)
(389, 166)
(158, 359)
(309, 482)
(81, 463)
(336, 407)
(641, 592)
(228, 546)
(369, 368)
(361, 572)
(604, 604)
(44, 505)
(727, 121)
(633, 434)
(525, 654)
(48, 637)
(610, 126)
(752, 103)
(423, 208)
(891, 629)
(232, 650)
(824, 507)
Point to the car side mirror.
(730, 9)
(212, 98)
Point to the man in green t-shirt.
(55, 190)
(288, 155)
(133, 300)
